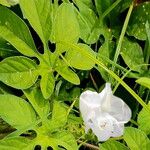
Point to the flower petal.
(105, 97)
(102, 126)
(120, 110)
(89, 102)
(118, 128)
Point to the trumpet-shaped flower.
(104, 113)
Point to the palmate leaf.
(59, 137)
(15, 31)
(38, 14)
(57, 140)
(19, 72)
(16, 111)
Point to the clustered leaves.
(49, 51)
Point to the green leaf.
(59, 116)
(79, 60)
(16, 111)
(58, 140)
(14, 30)
(143, 122)
(47, 84)
(101, 6)
(86, 19)
(67, 73)
(38, 14)
(67, 138)
(105, 51)
(5, 3)
(19, 72)
(65, 25)
(113, 145)
(138, 19)
(41, 105)
(136, 139)
(132, 55)
(19, 143)
(6, 50)
(144, 81)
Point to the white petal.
(106, 96)
(102, 126)
(89, 102)
(118, 128)
(90, 98)
(120, 110)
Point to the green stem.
(110, 9)
(114, 90)
(123, 33)
(134, 122)
(147, 45)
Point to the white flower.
(104, 113)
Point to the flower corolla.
(104, 113)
